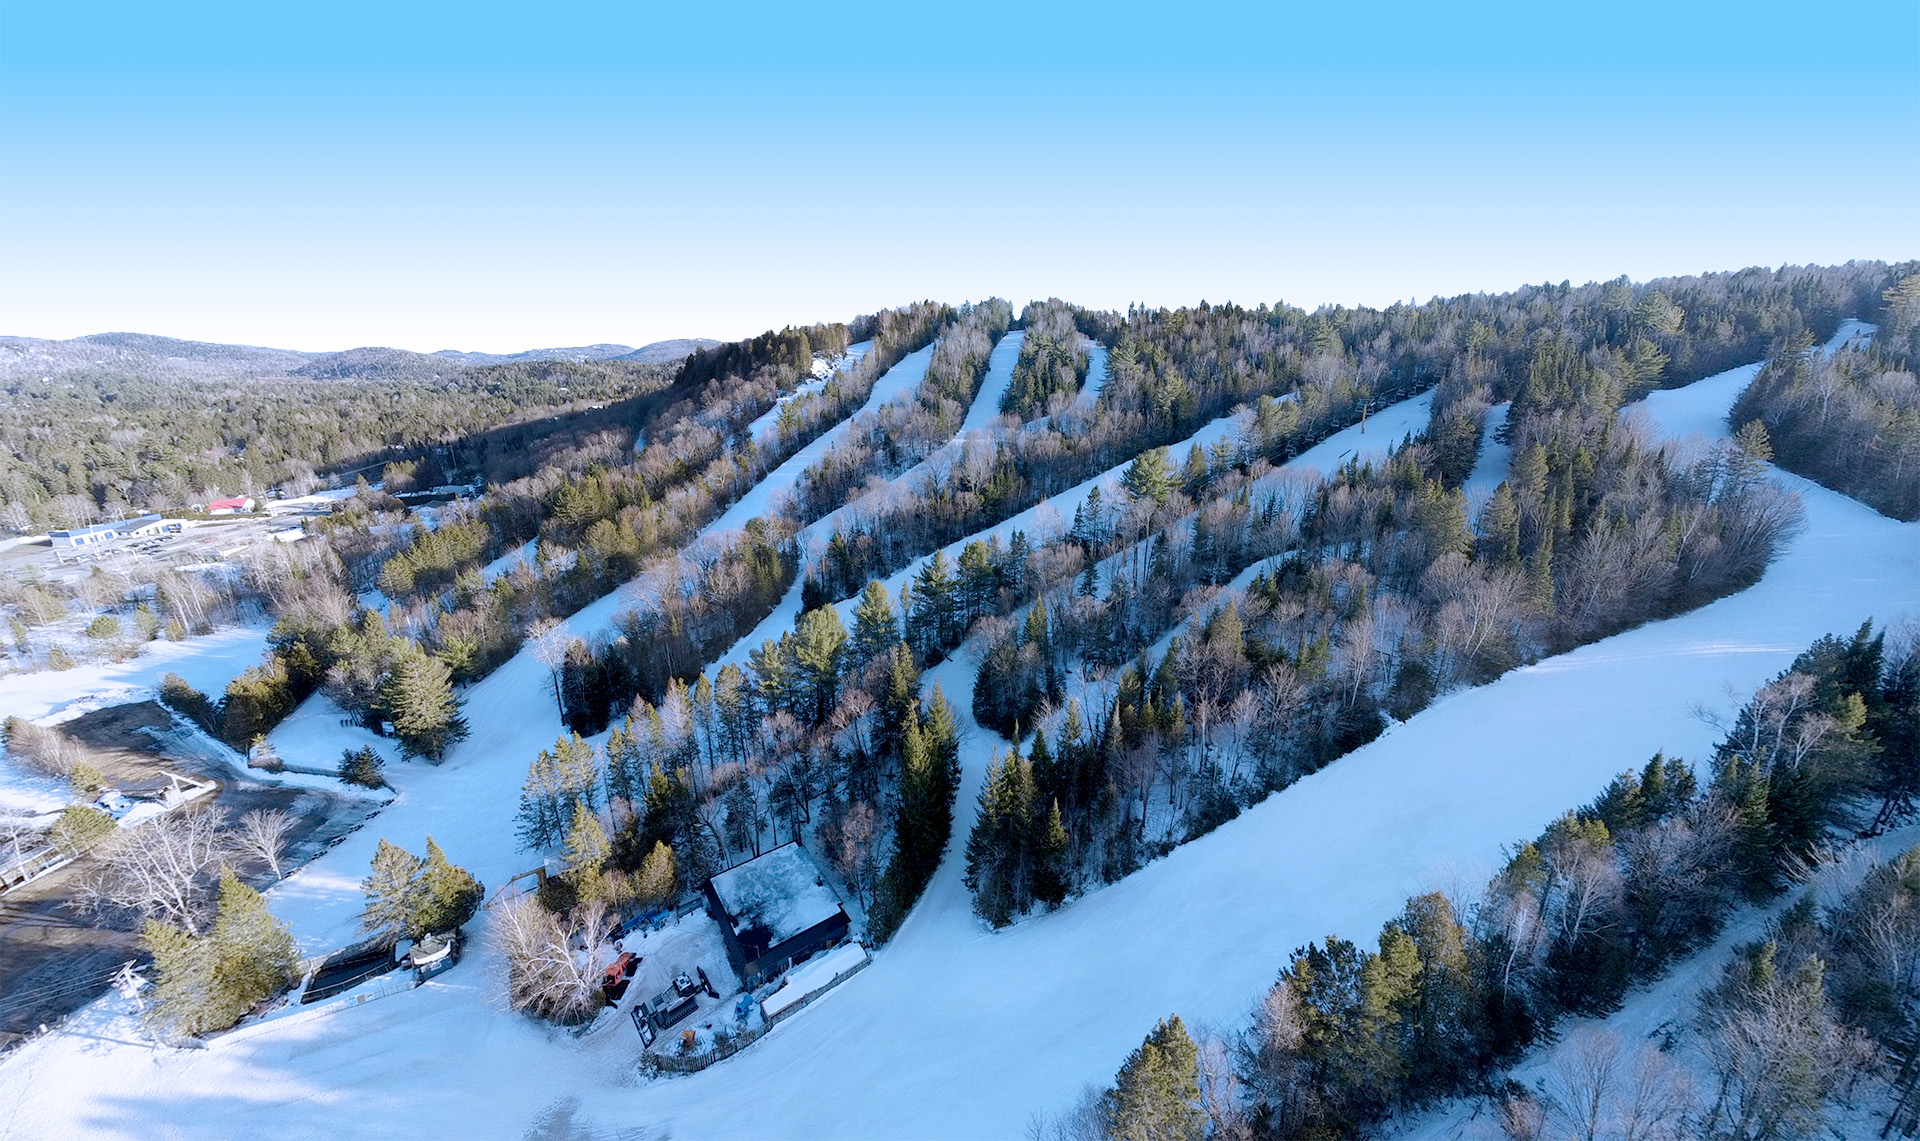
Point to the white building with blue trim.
(101, 534)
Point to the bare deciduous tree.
(164, 869)
(263, 836)
(554, 963)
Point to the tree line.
(1609, 896)
(1849, 420)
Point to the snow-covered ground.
(999, 378)
(208, 663)
(955, 1031)
(1096, 374)
(896, 382)
(823, 370)
(1661, 1010)
(520, 556)
(1494, 459)
(309, 502)
(1367, 442)
(1852, 333)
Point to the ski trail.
(1490, 468)
(999, 378)
(987, 1028)
(1201, 930)
(984, 409)
(764, 424)
(896, 382)
(468, 803)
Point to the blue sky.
(501, 177)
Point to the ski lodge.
(100, 534)
(775, 910)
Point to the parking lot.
(197, 541)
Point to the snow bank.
(813, 976)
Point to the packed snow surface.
(993, 387)
(955, 1031)
(1490, 468)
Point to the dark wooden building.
(773, 910)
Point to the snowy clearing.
(999, 378)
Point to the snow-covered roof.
(117, 526)
(780, 890)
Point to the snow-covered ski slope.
(763, 424)
(984, 411)
(956, 1032)
(468, 804)
(896, 382)
(1490, 469)
(993, 387)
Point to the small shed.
(774, 909)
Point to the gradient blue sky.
(501, 177)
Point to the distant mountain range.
(168, 357)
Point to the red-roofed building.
(235, 506)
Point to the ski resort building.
(100, 534)
(773, 910)
(238, 505)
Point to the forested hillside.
(1150, 567)
(1850, 420)
(111, 425)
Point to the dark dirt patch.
(55, 958)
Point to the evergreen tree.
(1499, 541)
(624, 770)
(587, 847)
(1156, 1095)
(425, 713)
(986, 859)
(902, 697)
(820, 647)
(1196, 474)
(363, 767)
(1150, 476)
(943, 738)
(207, 982)
(444, 896)
(389, 888)
(659, 876)
(875, 629)
(1540, 577)
(934, 613)
(733, 705)
(1050, 868)
(978, 586)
